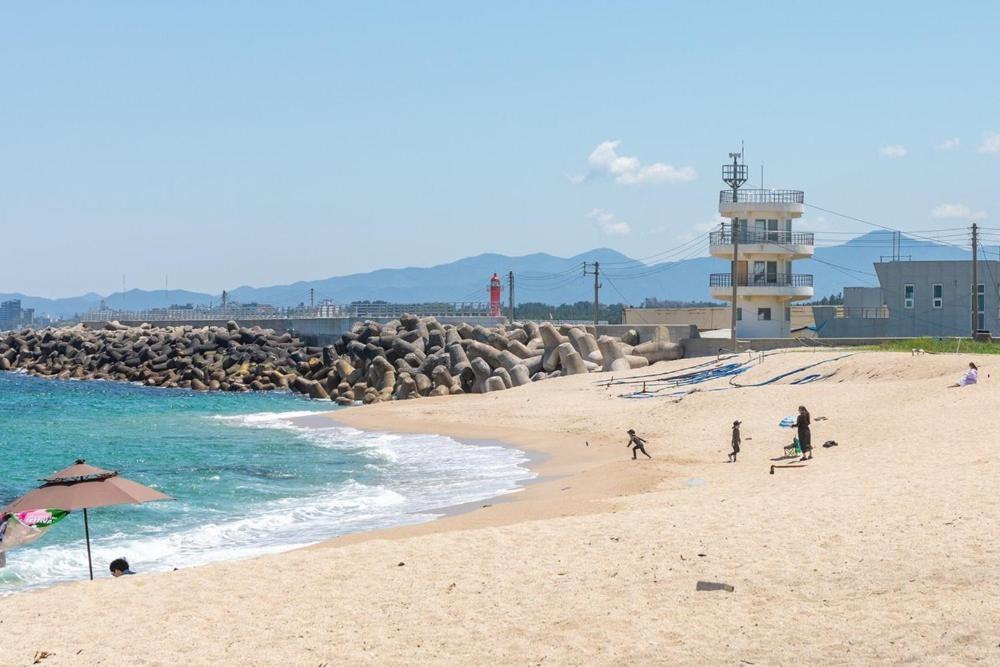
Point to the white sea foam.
(417, 476)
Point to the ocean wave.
(400, 479)
(279, 525)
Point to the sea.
(249, 474)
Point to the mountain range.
(538, 277)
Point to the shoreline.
(563, 485)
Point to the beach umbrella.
(82, 486)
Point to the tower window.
(764, 314)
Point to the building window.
(764, 314)
(938, 298)
(739, 314)
(980, 306)
(788, 314)
(772, 231)
(907, 296)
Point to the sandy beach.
(884, 549)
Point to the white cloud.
(893, 151)
(949, 144)
(628, 170)
(609, 223)
(991, 143)
(957, 211)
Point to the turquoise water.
(249, 474)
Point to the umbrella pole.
(86, 530)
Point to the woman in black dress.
(805, 436)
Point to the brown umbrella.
(81, 486)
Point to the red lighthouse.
(495, 296)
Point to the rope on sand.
(787, 374)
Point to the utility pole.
(225, 298)
(596, 272)
(734, 175)
(312, 298)
(510, 293)
(975, 279)
(734, 277)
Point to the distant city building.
(922, 298)
(12, 316)
(765, 277)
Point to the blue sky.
(261, 143)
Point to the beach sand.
(885, 549)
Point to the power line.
(663, 267)
(662, 255)
(868, 222)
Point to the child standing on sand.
(736, 442)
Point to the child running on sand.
(637, 444)
(736, 442)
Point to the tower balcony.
(749, 200)
(794, 245)
(791, 286)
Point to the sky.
(211, 145)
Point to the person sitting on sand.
(637, 444)
(736, 442)
(119, 567)
(971, 377)
(805, 435)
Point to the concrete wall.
(952, 318)
(705, 319)
(862, 297)
(710, 347)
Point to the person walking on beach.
(637, 444)
(805, 435)
(736, 442)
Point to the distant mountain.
(538, 277)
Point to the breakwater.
(407, 358)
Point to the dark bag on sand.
(830, 443)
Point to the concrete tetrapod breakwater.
(407, 358)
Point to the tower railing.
(752, 196)
(762, 280)
(725, 237)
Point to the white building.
(765, 276)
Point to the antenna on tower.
(734, 175)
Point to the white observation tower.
(759, 243)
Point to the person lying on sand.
(736, 442)
(971, 377)
(637, 444)
(119, 567)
